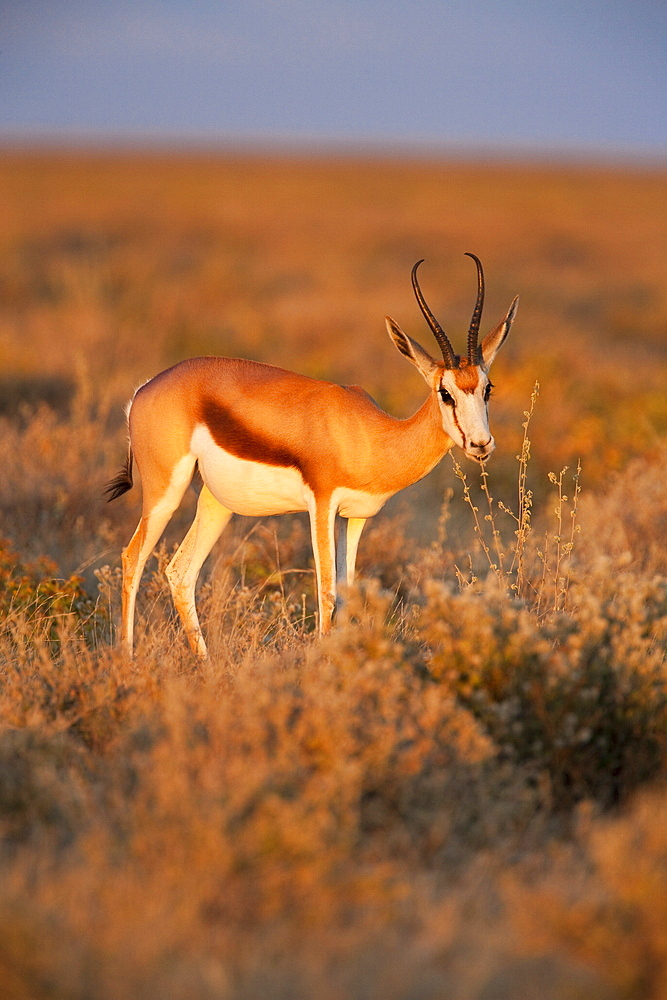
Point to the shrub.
(580, 696)
(35, 604)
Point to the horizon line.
(184, 142)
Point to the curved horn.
(474, 353)
(449, 357)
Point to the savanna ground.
(461, 793)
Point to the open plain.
(461, 792)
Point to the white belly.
(357, 503)
(246, 487)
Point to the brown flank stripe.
(229, 433)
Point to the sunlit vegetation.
(461, 791)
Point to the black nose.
(481, 447)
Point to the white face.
(463, 396)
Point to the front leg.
(322, 517)
(349, 533)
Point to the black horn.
(449, 357)
(474, 355)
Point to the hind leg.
(156, 514)
(182, 572)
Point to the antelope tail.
(122, 482)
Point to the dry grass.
(460, 793)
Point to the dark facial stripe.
(456, 421)
(231, 434)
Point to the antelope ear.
(495, 339)
(410, 349)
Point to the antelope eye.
(487, 390)
(446, 397)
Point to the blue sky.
(569, 75)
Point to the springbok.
(270, 441)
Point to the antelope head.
(462, 385)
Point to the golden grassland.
(461, 791)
